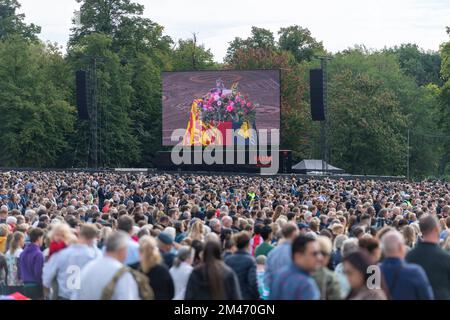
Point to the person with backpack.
(107, 278)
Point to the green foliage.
(444, 104)
(104, 16)
(118, 146)
(300, 43)
(420, 65)
(260, 38)
(36, 115)
(190, 56)
(367, 125)
(11, 23)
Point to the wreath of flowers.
(222, 104)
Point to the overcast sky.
(338, 23)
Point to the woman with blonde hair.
(104, 234)
(196, 231)
(60, 236)
(409, 233)
(4, 232)
(156, 271)
(16, 245)
(279, 210)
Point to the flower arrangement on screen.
(222, 104)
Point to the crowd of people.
(105, 235)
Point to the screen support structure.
(325, 125)
(93, 85)
(93, 125)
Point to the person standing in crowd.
(60, 237)
(3, 275)
(31, 263)
(109, 271)
(281, 255)
(125, 223)
(3, 214)
(336, 254)
(349, 246)
(356, 266)
(244, 265)
(181, 271)
(260, 270)
(405, 281)
(433, 259)
(372, 246)
(12, 256)
(294, 281)
(68, 262)
(165, 245)
(265, 247)
(4, 232)
(156, 271)
(325, 278)
(213, 279)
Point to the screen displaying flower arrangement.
(209, 104)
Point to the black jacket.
(436, 263)
(198, 287)
(161, 282)
(244, 265)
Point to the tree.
(366, 125)
(299, 42)
(147, 107)
(12, 22)
(422, 66)
(260, 38)
(370, 89)
(103, 16)
(118, 146)
(133, 51)
(188, 55)
(444, 104)
(36, 117)
(136, 35)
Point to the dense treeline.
(375, 97)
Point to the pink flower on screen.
(230, 108)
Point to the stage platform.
(242, 161)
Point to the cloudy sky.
(339, 24)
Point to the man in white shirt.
(97, 274)
(66, 264)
